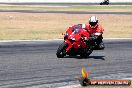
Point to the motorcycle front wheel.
(61, 50)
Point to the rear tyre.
(61, 50)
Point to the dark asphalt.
(66, 12)
(27, 64)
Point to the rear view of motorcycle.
(75, 43)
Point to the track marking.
(71, 86)
(55, 40)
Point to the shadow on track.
(97, 57)
(90, 57)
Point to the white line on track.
(117, 38)
(128, 78)
(28, 40)
(71, 86)
(54, 40)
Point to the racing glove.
(92, 38)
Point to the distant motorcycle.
(105, 2)
(75, 43)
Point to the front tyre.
(61, 50)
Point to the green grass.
(24, 7)
(101, 7)
(70, 7)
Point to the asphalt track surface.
(66, 12)
(31, 64)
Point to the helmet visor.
(92, 23)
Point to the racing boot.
(101, 46)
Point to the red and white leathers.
(97, 30)
(96, 34)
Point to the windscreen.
(76, 29)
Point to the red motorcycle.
(75, 43)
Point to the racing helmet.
(93, 21)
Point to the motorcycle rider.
(96, 32)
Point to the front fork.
(69, 45)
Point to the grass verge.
(26, 26)
(101, 7)
(68, 8)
